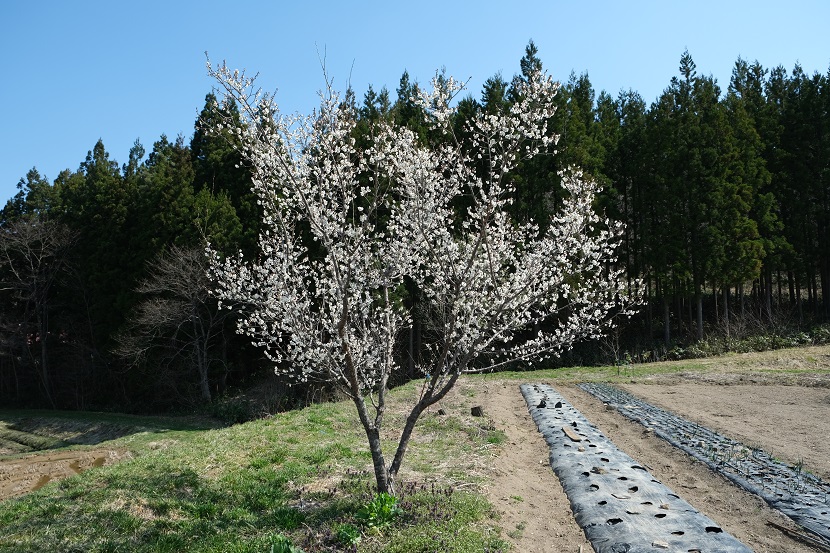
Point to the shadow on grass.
(43, 430)
(154, 506)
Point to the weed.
(518, 532)
(380, 511)
(348, 534)
(283, 545)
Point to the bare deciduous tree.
(33, 253)
(178, 318)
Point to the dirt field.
(29, 473)
(755, 399)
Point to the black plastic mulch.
(621, 507)
(791, 490)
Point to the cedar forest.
(725, 196)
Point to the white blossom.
(497, 292)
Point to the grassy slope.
(302, 474)
(24, 431)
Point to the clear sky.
(77, 71)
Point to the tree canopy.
(721, 188)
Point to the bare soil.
(535, 513)
(757, 399)
(26, 474)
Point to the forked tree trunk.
(431, 397)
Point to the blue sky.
(78, 71)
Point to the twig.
(800, 536)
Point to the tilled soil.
(26, 474)
(534, 511)
(544, 512)
(789, 422)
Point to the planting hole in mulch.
(619, 506)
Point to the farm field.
(778, 401)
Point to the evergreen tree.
(405, 111)
(35, 197)
(494, 94)
(166, 198)
(218, 165)
(761, 247)
(538, 192)
(97, 203)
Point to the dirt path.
(536, 515)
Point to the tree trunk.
(780, 297)
(430, 397)
(699, 318)
(201, 347)
(798, 302)
(666, 320)
(791, 285)
(743, 300)
(726, 309)
(809, 291)
(403, 442)
(43, 329)
(649, 311)
(223, 383)
(814, 290)
(204, 386)
(410, 364)
(383, 478)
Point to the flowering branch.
(346, 227)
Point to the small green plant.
(517, 533)
(798, 468)
(348, 534)
(380, 511)
(283, 545)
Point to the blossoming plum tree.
(385, 216)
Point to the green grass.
(609, 373)
(36, 430)
(303, 475)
